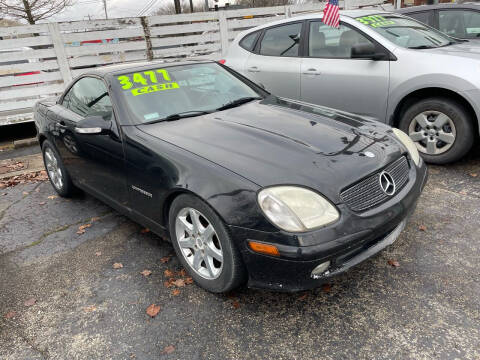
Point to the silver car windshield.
(174, 92)
(405, 32)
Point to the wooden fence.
(38, 61)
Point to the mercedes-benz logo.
(387, 183)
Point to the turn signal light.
(223, 61)
(264, 248)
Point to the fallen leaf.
(81, 228)
(25, 193)
(188, 280)
(168, 273)
(167, 284)
(153, 310)
(473, 174)
(168, 349)
(303, 297)
(10, 314)
(393, 263)
(236, 304)
(98, 253)
(93, 219)
(42, 203)
(146, 273)
(4, 194)
(51, 197)
(165, 259)
(179, 283)
(117, 265)
(30, 302)
(182, 272)
(144, 231)
(90, 308)
(422, 228)
(176, 292)
(327, 287)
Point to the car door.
(460, 23)
(330, 77)
(275, 64)
(95, 161)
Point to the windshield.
(406, 32)
(173, 92)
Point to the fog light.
(320, 269)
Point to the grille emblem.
(387, 183)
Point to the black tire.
(460, 117)
(232, 273)
(67, 189)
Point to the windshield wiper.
(182, 115)
(238, 102)
(422, 47)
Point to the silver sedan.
(377, 64)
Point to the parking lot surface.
(62, 297)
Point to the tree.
(32, 10)
(169, 9)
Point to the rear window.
(248, 42)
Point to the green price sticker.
(375, 21)
(151, 81)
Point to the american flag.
(331, 17)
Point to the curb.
(24, 142)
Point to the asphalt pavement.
(62, 297)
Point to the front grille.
(368, 192)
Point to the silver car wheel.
(199, 243)
(433, 132)
(54, 171)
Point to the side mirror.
(93, 125)
(367, 51)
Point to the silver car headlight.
(409, 144)
(296, 209)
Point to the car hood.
(466, 49)
(275, 141)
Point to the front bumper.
(351, 240)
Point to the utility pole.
(191, 6)
(178, 7)
(105, 8)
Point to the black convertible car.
(248, 186)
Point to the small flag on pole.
(331, 17)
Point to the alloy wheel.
(433, 132)
(199, 243)
(54, 171)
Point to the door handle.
(312, 72)
(253, 69)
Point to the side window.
(454, 23)
(89, 96)
(422, 16)
(281, 40)
(249, 41)
(327, 42)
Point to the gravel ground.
(426, 308)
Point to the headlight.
(296, 209)
(409, 144)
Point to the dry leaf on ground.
(90, 308)
(182, 272)
(144, 231)
(146, 273)
(165, 259)
(179, 283)
(153, 310)
(117, 265)
(51, 197)
(168, 273)
(168, 349)
(30, 302)
(236, 304)
(393, 263)
(81, 228)
(303, 297)
(422, 228)
(93, 219)
(98, 253)
(10, 315)
(188, 280)
(176, 292)
(327, 287)
(42, 203)
(473, 174)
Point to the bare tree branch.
(33, 10)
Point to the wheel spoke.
(194, 216)
(448, 138)
(417, 136)
(48, 155)
(210, 267)
(212, 251)
(421, 120)
(187, 243)
(186, 225)
(197, 260)
(431, 146)
(208, 233)
(441, 120)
